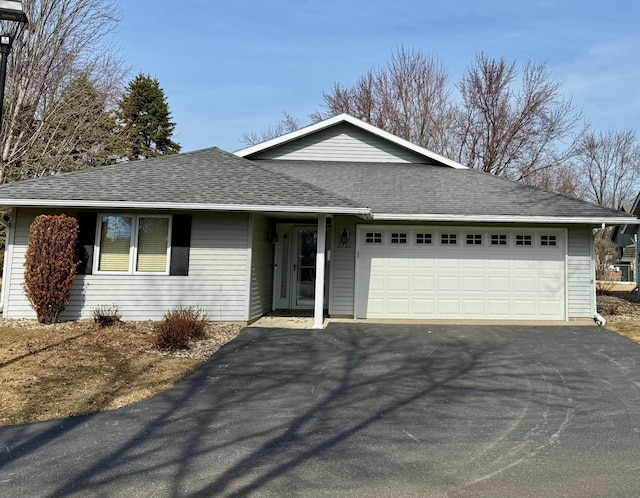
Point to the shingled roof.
(204, 179)
(211, 179)
(418, 191)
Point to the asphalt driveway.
(362, 410)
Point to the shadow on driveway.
(361, 410)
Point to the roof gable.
(344, 138)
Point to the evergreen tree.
(79, 133)
(146, 120)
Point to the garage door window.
(398, 238)
(548, 240)
(523, 240)
(423, 238)
(448, 239)
(373, 238)
(498, 239)
(474, 239)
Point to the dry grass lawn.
(622, 311)
(54, 371)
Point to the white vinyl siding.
(580, 278)
(217, 279)
(343, 269)
(343, 142)
(261, 299)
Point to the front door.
(295, 267)
(305, 241)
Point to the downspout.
(597, 317)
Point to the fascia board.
(582, 220)
(55, 203)
(346, 118)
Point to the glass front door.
(304, 268)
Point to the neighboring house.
(626, 246)
(633, 232)
(339, 216)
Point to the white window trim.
(133, 245)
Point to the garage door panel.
(473, 308)
(472, 264)
(422, 263)
(499, 307)
(462, 280)
(423, 308)
(423, 283)
(397, 283)
(376, 283)
(549, 309)
(397, 307)
(448, 283)
(524, 284)
(448, 308)
(500, 283)
(473, 284)
(524, 307)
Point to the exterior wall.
(345, 143)
(261, 297)
(581, 283)
(343, 270)
(217, 279)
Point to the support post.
(318, 313)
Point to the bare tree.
(609, 165)
(64, 39)
(287, 124)
(408, 97)
(562, 179)
(512, 129)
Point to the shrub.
(50, 265)
(106, 316)
(180, 326)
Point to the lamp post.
(10, 10)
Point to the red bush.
(50, 265)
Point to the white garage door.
(435, 272)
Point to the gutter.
(564, 220)
(364, 212)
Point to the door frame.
(289, 232)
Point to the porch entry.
(295, 267)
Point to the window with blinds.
(115, 243)
(142, 239)
(153, 236)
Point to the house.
(339, 217)
(626, 247)
(627, 236)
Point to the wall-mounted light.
(344, 238)
(273, 236)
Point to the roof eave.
(56, 203)
(563, 220)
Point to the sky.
(229, 67)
